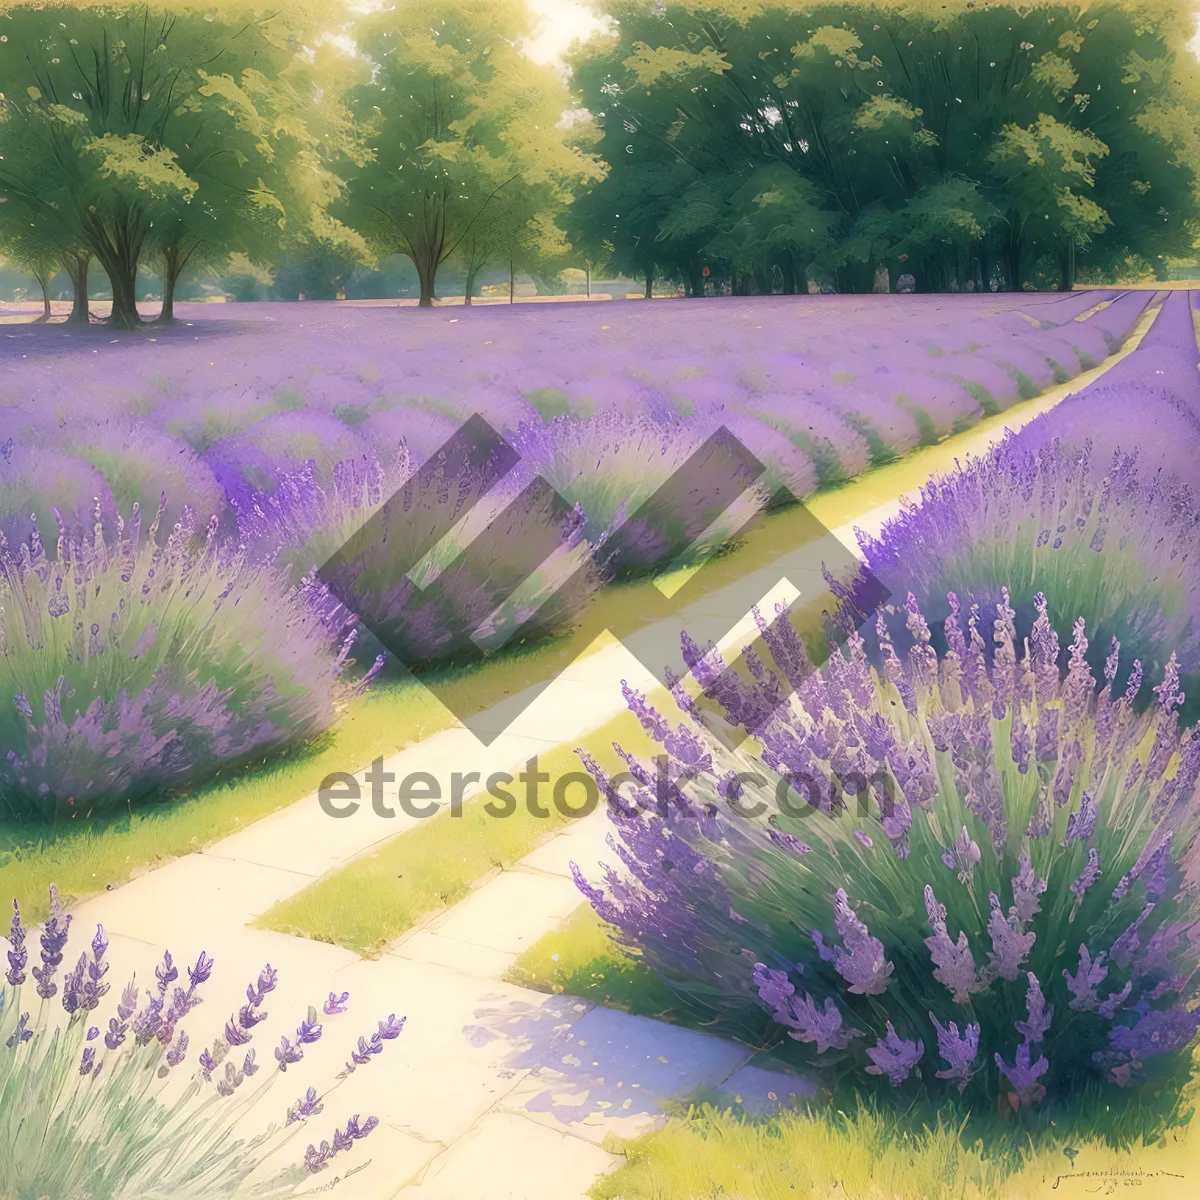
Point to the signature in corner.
(1108, 1181)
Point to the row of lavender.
(968, 864)
(169, 626)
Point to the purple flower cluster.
(108, 1057)
(184, 658)
(1111, 517)
(1083, 828)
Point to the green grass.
(433, 865)
(581, 959)
(711, 1153)
(85, 855)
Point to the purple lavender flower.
(958, 1052)
(249, 1016)
(1027, 887)
(1024, 1076)
(1010, 944)
(805, 1021)
(235, 1035)
(963, 856)
(307, 1106)
(309, 1030)
(1124, 948)
(255, 992)
(1087, 876)
(362, 1055)
(53, 939)
(1081, 824)
(207, 1066)
(128, 1003)
(116, 1033)
(166, 973)
(862, 963)
(391, 1028)
(1087, 978)
(249, 1066)
(18, 956)
(894, 1056)
(1160, 1031)
(1108, 1006)
(21, 1033)
(201, 971)
(88, 1060)
(336, 1004)
(1037, 1023)
(954, 962)
(93, 1033)
(73, 986)
(178, 1050)
(231, 1082)
(286, 1053)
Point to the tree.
(465, 134)
(901, 119)
(156, 127)
(29, 249)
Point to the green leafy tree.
(161, 128)
(464, 131)
(970, 140)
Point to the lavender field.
(166, 497)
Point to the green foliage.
(473, 163)
(762, 139)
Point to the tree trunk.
(172, 269)
(469, 286)
(1012, 257)
(425, 276)
(587, 273)
(120, 265)
(649, 284)
(77, 271)
(43, 278)
(512, 282)
(1066, 266)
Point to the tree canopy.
(770, 145)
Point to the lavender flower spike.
(1087, 978)
(963, 856)
(336, 1004)
(1024, 1076)
(959, 1052)
(1040, 1015)
(54, 939)
(310, 1029)
(894, 1057)
(861, 963)
(1010, 944)
(286, 1053)
(1027, 887)
(954, 963)
(18, 956)
(806, 1022)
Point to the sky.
(561, 22)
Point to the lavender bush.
(944, 876)
(128, 666)
(461, 594)
(100, 1100)
(1108, 535)
(1121, 549)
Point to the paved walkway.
(492, 1092)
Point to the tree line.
(763, 145)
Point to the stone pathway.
(492, 1092)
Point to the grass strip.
(713, 1151)
(374, 899)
